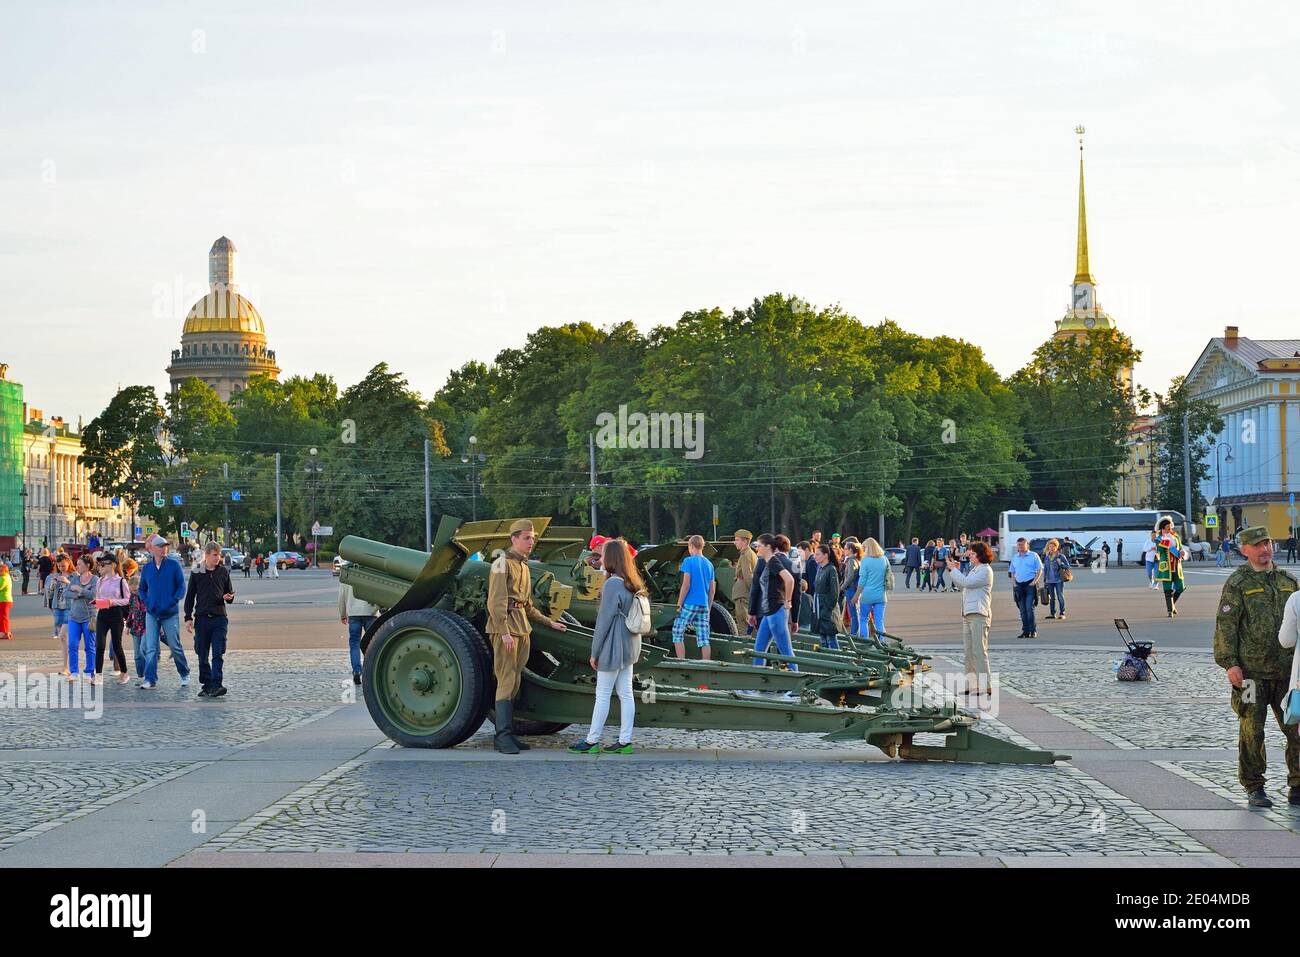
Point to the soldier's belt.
(514, 604)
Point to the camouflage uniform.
(1245, 636)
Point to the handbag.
(1066, 574)
(1291, 700)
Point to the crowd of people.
(97, 597)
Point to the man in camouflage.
(1259, 668)
(746, 560)
(509, 628)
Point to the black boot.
(1257, 798)
(1169, 604)
(504, 741)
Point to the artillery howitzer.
(428, 679)
(562, 550)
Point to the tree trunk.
(681, 517)
(654, 522)
(909, 513)
(841, 526)
(789, 516)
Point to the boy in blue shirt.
(694, 599)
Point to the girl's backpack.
(135, 616)
(638, 616)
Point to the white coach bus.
(1089, 527)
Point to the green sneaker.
(582, 747)
(617, 748)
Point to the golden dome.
(224, 311)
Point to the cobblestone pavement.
(1221, 778)
(602, 805)
(270, 691)
(705, 792)
(47, 793)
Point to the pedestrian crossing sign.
(1211, 521)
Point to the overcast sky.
(427, 183)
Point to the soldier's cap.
(522, 525)
(1253, 535)
(744, 533)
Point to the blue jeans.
(1026, 596)
(210, 636)
(854, 625)
(939, 581)
(147, 649)
(357, 625)
(1055, 595)
(775, 625)
(80, 633)
(876, 610)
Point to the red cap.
(597, 541)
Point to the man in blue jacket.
(162, 586)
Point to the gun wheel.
(425, 672)
(721, 621)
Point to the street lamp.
(1218, 476)
(23, 495)
(472, 459)
(314, 469)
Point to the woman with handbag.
(1056, 572)
(614, 650)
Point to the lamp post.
(313, 469)
(1218, 476)
(23, 495)
(472, 458)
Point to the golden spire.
(1081, 272)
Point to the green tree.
(1204, 424)
(1077, 414)
(197, 419)
(121, 446)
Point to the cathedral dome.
(223, 310)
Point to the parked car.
(1080, 556)
(339, 562)
(233, 558)
(896, 555)
(285, 560)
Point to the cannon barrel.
(392, 560)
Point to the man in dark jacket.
(770, 598)
(210, 591)
(913, 563)
(826, 597)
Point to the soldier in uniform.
(509, 627)
(1259, 668)
(746, 560)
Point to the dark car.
(1080, 556)
(285, 560)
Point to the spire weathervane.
(1081, 270)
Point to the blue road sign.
(177, 500)
(234, 496)
(115, 501)
(139, 531)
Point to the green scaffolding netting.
(11, 458)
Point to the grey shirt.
(611, 642)
(81, 597)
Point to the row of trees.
(811, 419)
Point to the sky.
(425, 184)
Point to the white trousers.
(607, 682)
(975, 637)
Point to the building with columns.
(1085, 314)
(59, 504)
(223, 342)
(1255, 463)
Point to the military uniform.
(510, 612)
(1246, 637)
(746, 561)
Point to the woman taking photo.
(56, 600)
(112, 596)
(872, 585)
(614, 650)
(1056, 572)
(976, 615)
